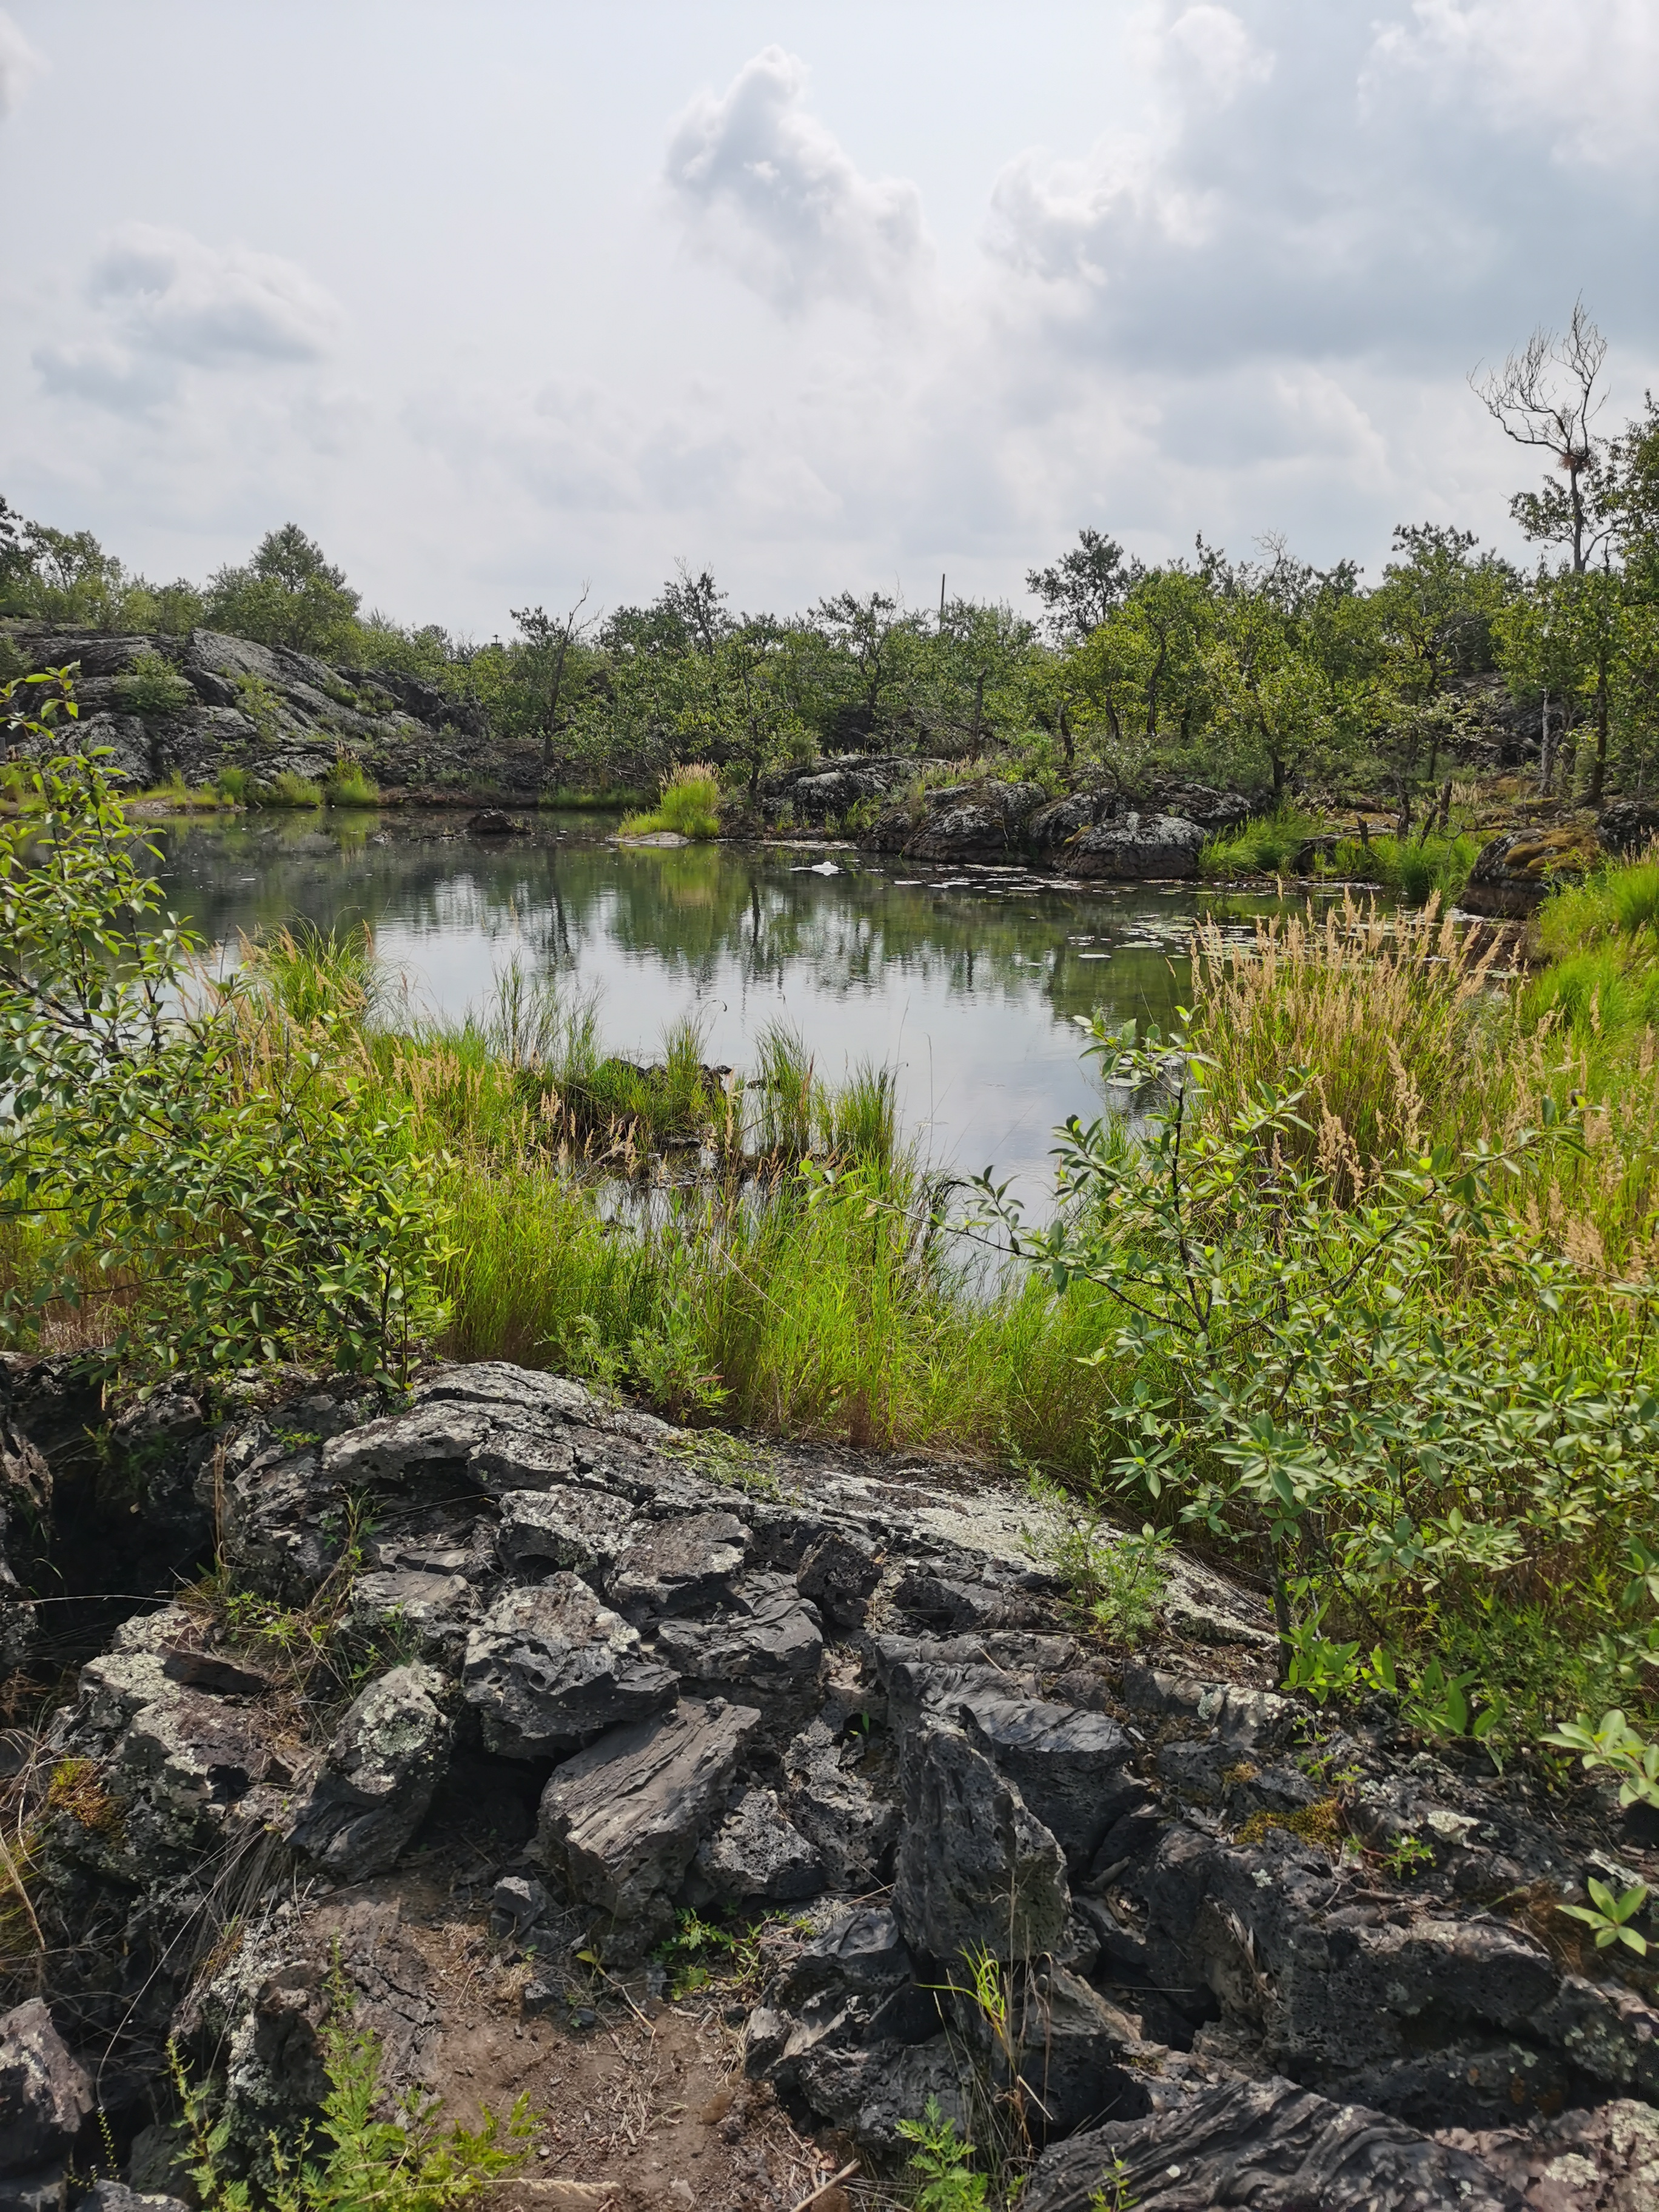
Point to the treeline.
(1268, 675)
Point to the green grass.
(184, 798)
(286, 789)
(349, 784)
(1415, 869)
(1265, 846)
(688, 805)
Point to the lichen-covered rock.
(1138, 849)
(45, 2096)
(550, 1667)
(623, 1819)
(975, 1869)
(377, 1781)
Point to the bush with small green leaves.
(153, 686)
(213, 1179)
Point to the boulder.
(1137, 848)
(45, 2097)
(1268, 2145)
(623, 1819)
(561, 1526)
(550, 1667)
(1068, 1764)
(976, 1867)
(757, 1852)
(382, 1771)
(679, 1566)
(773, 1647)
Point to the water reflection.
(966, 982)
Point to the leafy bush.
(216, 1180)
(153, 686)
(1404, 1405)
(234, 784)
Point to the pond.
(965, 981)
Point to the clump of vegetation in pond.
(348, 783)
(688, 805)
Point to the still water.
(966, 982)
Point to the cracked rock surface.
(848, 1694)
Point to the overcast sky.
(494, 298)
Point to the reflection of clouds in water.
(970, 994)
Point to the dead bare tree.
(1546, 396)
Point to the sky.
(504, 298)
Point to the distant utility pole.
(941, 603)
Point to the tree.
(540, 665)
(1546, 397)
(867, 633)
(1080, 590)
(288, 593)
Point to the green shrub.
(233, 784)
(153, 686)
(223, 1191)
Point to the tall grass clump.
(1417, 869)
(688, 804)
(1266, 847)
(1387, 1015)
(348, 783)
(284, 789)
(326, 978)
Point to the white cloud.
(19, 64)
(165, 302)
(1218, 52)
(764, 187)
(1585, 73)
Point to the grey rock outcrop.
(848, 1678)
(45, 2097)
(976, 1870)
(268, 711)
(1268, 2145)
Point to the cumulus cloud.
(20, 64)
(1585, 73)
(765, 187)
(166, 302)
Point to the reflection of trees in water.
(698, 912)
